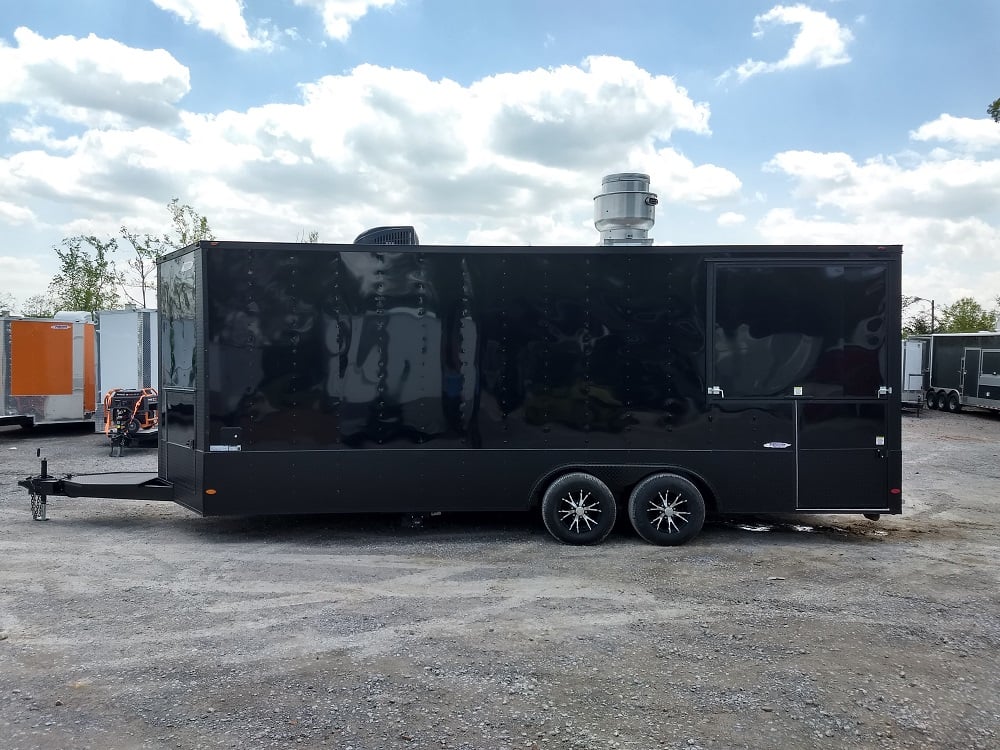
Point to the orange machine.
(48, 371)
(130, 414)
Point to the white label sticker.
(879, 440)
(797, 390)
(223, 448)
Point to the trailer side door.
(812, 335)
(971, 370)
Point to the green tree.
(141, 274)
(966, 316)
(189, 226)
(917, 320)
(994, 110)
(917, 325)
(87, 278)
(38, 306)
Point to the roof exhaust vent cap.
(625, 210)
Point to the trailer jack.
(39, 500)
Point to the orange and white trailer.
(48, 371)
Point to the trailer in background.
(127, 346)
(47, 370)
(128, 376)
(914, 365)
(964, 370)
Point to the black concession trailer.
(964, 370)
(661, 382)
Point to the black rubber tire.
(579, 508)
(954, 405)
(942, 401)
(930, 398)
(666, 509)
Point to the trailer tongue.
(125, 485)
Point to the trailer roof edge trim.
(891, 250)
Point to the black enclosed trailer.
(964, 370)
(312, 378)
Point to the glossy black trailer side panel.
(317, 378)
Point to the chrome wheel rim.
(579, 511)
(665, 512)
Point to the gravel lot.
(126, 624)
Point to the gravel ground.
(126, 624)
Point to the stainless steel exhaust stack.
(625, 210)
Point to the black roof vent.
(388, 236)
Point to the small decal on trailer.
(223, 448)
(879, 440)
(777, 444)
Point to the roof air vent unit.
(388, 236)
(625, 210)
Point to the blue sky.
(490, 123)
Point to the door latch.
(714, 390)
(884, 390)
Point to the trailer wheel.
(579, 508)
(930, 398)
(954, 405)
(942, 401)
(666, 509)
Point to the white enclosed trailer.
(914, 362)
(126, 349)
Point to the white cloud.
(43, 136)
(224, 18)
(820, 41)
(22, 277)
(944, 210)
(11, 213)
(966, 133)
(91, 80)
(339, 15)
(945, 187)
(513, 158)
(676, 179)
(730, 219)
